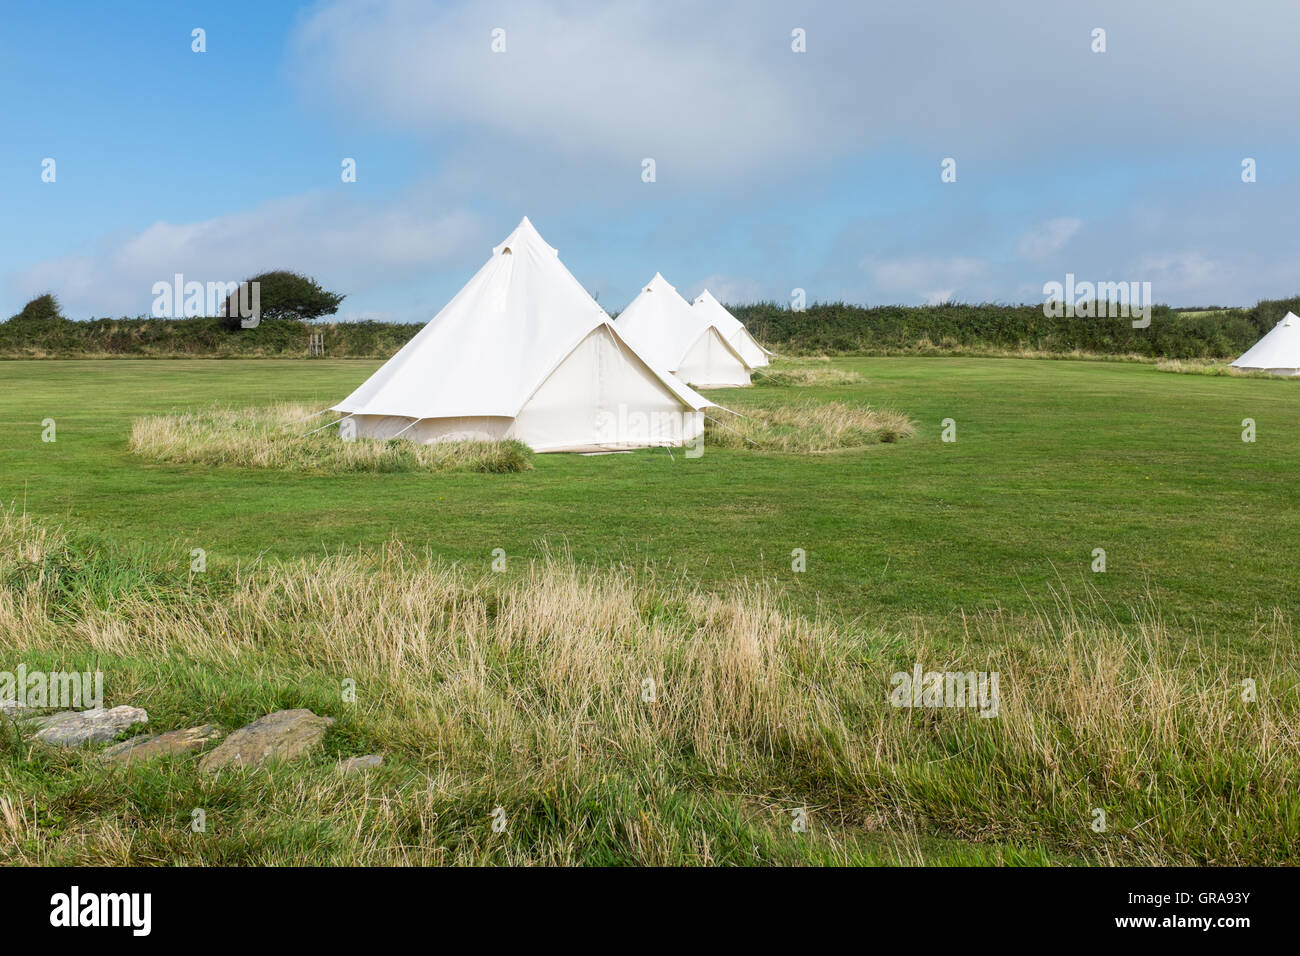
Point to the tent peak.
(524, 234)
(1290, 319)
(658, 284)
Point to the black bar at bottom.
(351, 906)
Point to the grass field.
(977, 550)
(1052, 460)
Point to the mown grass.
(292, 437)
(530, 692)
(1053, 459)
(806, 427)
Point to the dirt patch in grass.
(289, 437)
(806, 427)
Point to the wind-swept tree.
(281, 295)
(43, 308)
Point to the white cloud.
(713, 91)
(1045, 239)
(734, 290)
(1187, 272)
(691, 87)
(930, 278)
(347, 246)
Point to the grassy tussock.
(925, 348)
(527, 691)
(281, 437)
(1213, 368)
(815, 370)
(806, 428)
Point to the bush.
(43, 308)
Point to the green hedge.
(198, 337)
(823, 327)
(839, 327)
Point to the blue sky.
(775, 170)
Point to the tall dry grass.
(625, 717)
(1215, 368)
(806, 371)
(290, 437)
(806, 427)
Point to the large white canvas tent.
(523, 352)
(732, 329)
(1278, 351)
(662, 325)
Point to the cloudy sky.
(774, 169)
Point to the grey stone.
(156, 745)
(73, 728)
(357, 764)
(283, 735)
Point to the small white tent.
(523, 352)
(662, 325)
(732, 329)
(1278, 351)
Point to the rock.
(282, 735)
(156, 745)
(357, 764)
(72, 728)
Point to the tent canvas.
(663, 326)
(1278, 351)
(522, 351)
(732, 329)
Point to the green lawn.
(524, 690)
(1053, 459)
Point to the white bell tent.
(661, 325)
(523, 352)
(1278, 351)
(732, 329)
